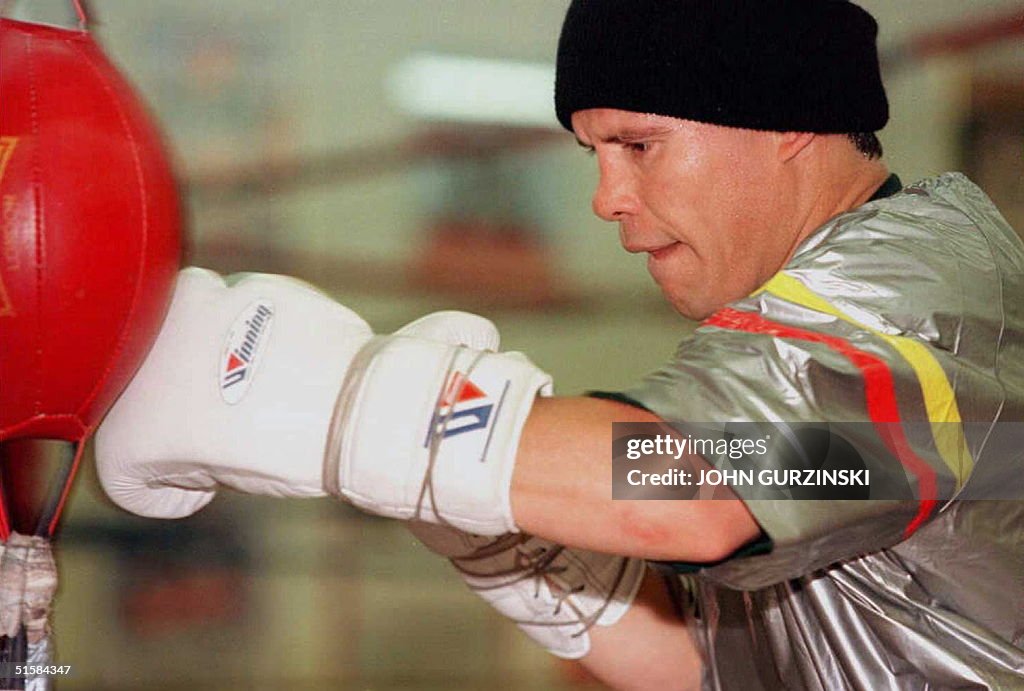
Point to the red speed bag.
(90, 229)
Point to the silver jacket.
(907, 309)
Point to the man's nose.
(614, 196)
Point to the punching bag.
(90, 234)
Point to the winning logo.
(245, 344)
(464, 407)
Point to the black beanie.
(781, 65)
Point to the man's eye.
(638, 147)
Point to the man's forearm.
(561, 490)
(649, 648)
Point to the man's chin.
(689, 306)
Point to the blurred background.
(404, 156)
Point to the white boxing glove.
(237, 390)
(240, 387)
(555, 594)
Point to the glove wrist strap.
(429, 430)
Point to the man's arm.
(561, 491)
(423, 424)
(429, 423)
(649, 648)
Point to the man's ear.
(790, 144)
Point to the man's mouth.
(657, 253)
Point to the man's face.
(711, 206)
